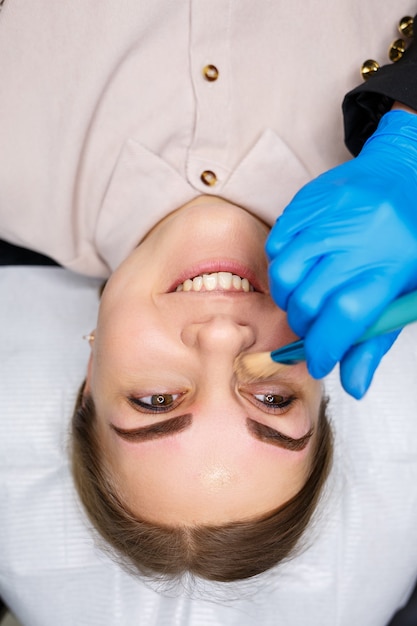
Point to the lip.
(218, 265)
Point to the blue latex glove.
(345, 247)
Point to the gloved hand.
(345, 247)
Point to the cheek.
(127, 342)
(275, 331)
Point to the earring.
(89, 337)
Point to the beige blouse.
(112, 114)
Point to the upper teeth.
(225, 281)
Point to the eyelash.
(268, 407)
(147, 407)
(274, 407)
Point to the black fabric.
(3, 609)
(364, 106)
(14, 255)
(408, 615)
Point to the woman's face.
(188, 439)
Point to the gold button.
(209, 178)
(406, 26)
(210, 73)
(368, 68)
(396, 50)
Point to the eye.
(156, 402)
(273, 402)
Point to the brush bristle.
(256, 365)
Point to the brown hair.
(225, 553)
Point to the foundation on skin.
(215, 478)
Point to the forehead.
(174, 484)
(190, 478)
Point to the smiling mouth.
(216, 281)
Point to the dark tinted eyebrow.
(274, 437)
(181, 422)
(155, 431)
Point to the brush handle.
(398, 314)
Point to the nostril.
(189, 335)
(219, 333)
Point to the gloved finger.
(292, 265)
(287, 226)
(276, 240)
(308, 206)
(329, 274)
(345, 316)
(358, 366)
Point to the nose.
(219, 333)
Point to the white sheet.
(362, 560)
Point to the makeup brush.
(264, 364)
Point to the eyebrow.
(155, 431)
(274, 437)
(177, 424)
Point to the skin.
(151, 340)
